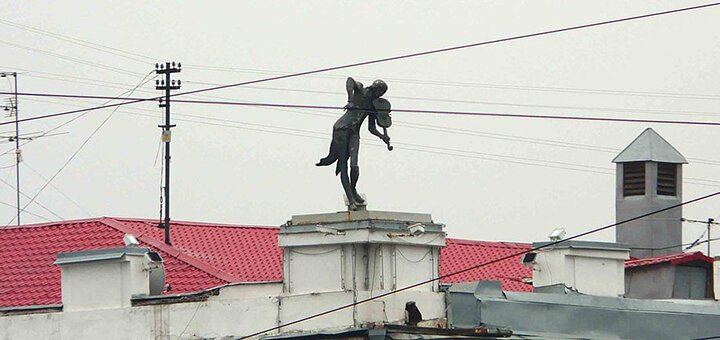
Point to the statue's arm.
(351, 86)
(372, 127)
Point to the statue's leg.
(354, 176)
(354, 168)
(348, 189)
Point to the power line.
(693, 244)
(87, 213)
(405, 56)
(483, 264)
(82, 145)
(476, 102)
(29, 212)
(481, 85)
(407, 146)
(429, 127)
(95, 82)
(80, 42)
(28, 197)
(402, 123)
(324, 107)
(72, 59)
(453, 48)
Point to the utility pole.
(710, 222)
(13, 108)
(167, 85)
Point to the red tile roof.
(673, 259)
(461, 254)
(202, 256)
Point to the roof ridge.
(53, 223)
(171, 250)
(198, 224)
(503, 244)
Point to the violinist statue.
(362, 102)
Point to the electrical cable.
(404, 56)
(80, 42)
(412, 147)
(478, 85)
(322, 107)
(29, 212)
(115, 85)
(534, 141)
(75, 60)
(620, 110)
(28, 197)
(480, 265)
(142, 82)
(87, 213)
(693, 244)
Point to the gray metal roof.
(571, 315)
(650, 146)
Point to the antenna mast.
(13, 108)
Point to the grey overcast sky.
(486, 178)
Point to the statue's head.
(378, 88)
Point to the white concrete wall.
(237, 311)
(589, 271)
(716, 277)
(104, 284)
(359, 259)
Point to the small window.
(634, 179)
(667, 179)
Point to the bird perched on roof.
(412, 314)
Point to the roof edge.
(179, 254)
(198, 224)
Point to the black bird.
(412, 314)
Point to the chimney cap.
(98, 255)
(649, 146)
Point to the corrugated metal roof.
(650, 146)
(673, 259)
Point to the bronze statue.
(362, 102)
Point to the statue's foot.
(325, 161)
(358, 198)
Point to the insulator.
(157, 66)
(173, 83)
(157, 82)
(179, 65)
(178, 82)
(173, 64)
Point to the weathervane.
(362, 102)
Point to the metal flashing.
(98, 255)
(649, 146)
(360, 215)
(582, 245)
(18, 310)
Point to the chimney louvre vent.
(667, 179)
(634, 179)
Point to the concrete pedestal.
(364, 254)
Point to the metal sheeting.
(582, 316)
